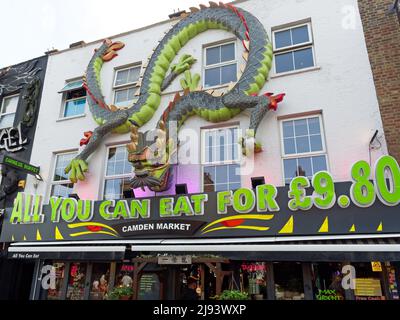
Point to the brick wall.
(382, 34)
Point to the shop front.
(328, 241)
(212, 275)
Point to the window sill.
(71, 118)
(284, 74)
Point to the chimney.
(77, 44)
(177, 14)
(51, 51)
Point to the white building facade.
(330, 82)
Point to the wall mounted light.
(129, 194)
(257, 181)
(181, 188)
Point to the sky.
(31, 27)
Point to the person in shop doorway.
(189, 293)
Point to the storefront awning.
(323, 251)
(75, 253)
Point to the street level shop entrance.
(277, 271)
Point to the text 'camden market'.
(296, 242)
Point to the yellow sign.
(376, 266)
(368, 288)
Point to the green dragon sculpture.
(153, 169)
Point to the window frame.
(53, 172)
(114, 177)
(65, 102)
(125, 86)
(310, 154)
(17, 95)
(220, 64)
(204, 164)
(124, 68)
(295, 47)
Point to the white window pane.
(316, 143)
(234, 173)
(300, 35)
(284, 62)
(209, 175)
(301, 128)
(7, 121)
(314, 126)
(10, 104)
(124, 97)
(122, 77)
(228, 52)
(213, 55)
(303, 58)
(319, 164)
(216, 154)
(121, 96)
(235, 152)
(288, 129)
(118, 163)
(75, 107)
(234, 186)
(282, 39)
(302, 144)
(212, 77)
(290, 168)
(114, 189)
(62, 190)
(221, 187)
(289, 145)
(131, 94)
(304, 167)
(222, 174)
(62, 161)
(228, 74)
(134, 74)
(222, 150)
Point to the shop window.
(74, 99)
(61, 186)
(293, 48)
(327, 281)
(125, 86)
(100, 280)
(118, 173)
(56, 293)
(190, 283)
(220, 159)
(288, 281)
(303, 147)
(369, 283)
(220, 65)
(8, 110)
(124, 275)
(253, 279)
(149, 287)
(76, 281)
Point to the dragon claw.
(184, 64)
(76, 170)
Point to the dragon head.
(150, 158)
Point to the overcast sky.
(31, 27)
